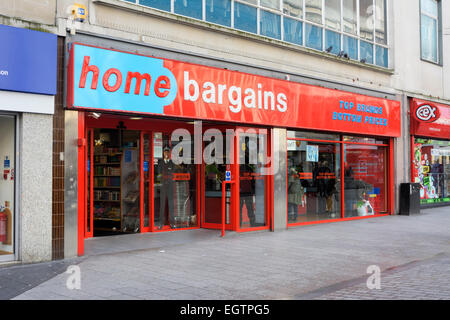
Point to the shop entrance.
(136, 183)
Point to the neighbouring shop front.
(165, 145)
(27, 89)
(430, 151)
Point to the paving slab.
(325, 261)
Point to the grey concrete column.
(36, 136)
(279, 179)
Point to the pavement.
(316, 262)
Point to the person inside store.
(295, 194)
(166, 169)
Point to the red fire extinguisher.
(3, 223)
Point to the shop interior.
(7, 147)
(134, 184)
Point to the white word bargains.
(249, 97)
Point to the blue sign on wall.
(27, 60)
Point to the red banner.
(430, 119)
(113, 80)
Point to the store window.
(313, 171)
(430, 30)
(7, 185)
(331, 25)
(365, 180)
(432, 170)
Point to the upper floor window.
(430, 30)
(350, 29)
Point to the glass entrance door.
(253, 174)
(218, 167)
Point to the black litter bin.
(409, 198)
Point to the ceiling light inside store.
(95, 115)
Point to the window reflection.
(333, 14)
(380, 23)
(313, 10)
(273, 4)
(366, 19)
(313, 176)
(294, 8)
(350, 16)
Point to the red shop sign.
(430, 119)
(103, 79)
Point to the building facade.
(242, 115)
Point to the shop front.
(27, 89)
(430, 151)
(166, 145)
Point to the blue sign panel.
(227, 175)
(113, 80)
(27, 60)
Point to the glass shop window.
(313, 181)
(365, 180)
(431, 168)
